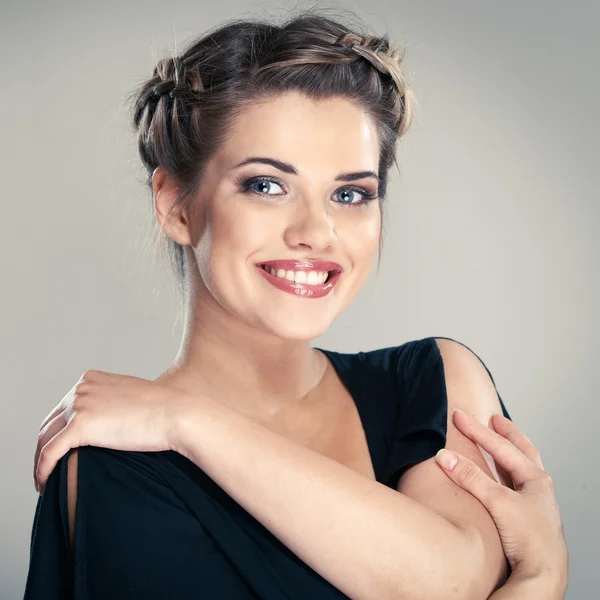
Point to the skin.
(246, 343)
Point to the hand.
(107, 410)
(527, 517)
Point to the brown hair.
(181, 114)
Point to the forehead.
(329, 134)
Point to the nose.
(312, 227)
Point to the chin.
(297, 329)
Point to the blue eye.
(263, 183)
(247, 186)
(365, 195)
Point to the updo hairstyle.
(182, 113)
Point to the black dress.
(153, 525)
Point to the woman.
(257, 466)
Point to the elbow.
(468, 568)
(473, 572)
(485, 570)
(459, 576)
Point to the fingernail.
(447, 459)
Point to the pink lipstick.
(306, 290)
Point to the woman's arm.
(368, 540)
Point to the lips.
(304, 290)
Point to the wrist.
(177, 419)
(190, 422)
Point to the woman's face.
(307, 200)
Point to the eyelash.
(245, 187)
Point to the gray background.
(490, 237)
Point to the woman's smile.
(306, 278)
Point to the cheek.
(361, 236)
(241, 230)
(237, 232)
(373, 229)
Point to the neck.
(229, 360)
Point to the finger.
(519, 467)
(53, 451)
(507, 429)
(45, 435)
(470, 477)
(61, 405)
(55, 411)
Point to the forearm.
(368, 540)
(531, 589)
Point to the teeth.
(314, 278)
(307, 277)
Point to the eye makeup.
(245, 183)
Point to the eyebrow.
(287, 168)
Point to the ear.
(165, 190)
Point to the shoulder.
(121, 503)
(439, 363)
(133, 522)
(96, 470)
(470, 387)
(116, 486)
(433, 376)
(469, 383)
(445, 374)
(405, 358)
(429, 364)
(404, 370)
(399, 359)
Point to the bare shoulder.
(72, 463)
(472, 387)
